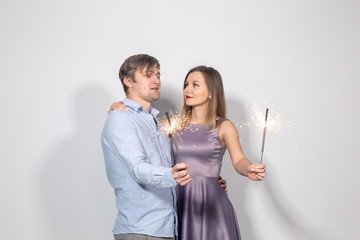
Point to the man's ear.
(128, 82)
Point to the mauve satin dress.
(204, 209)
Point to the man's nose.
(155, 79)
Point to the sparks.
(170, 126)
(171, 123)
(273, 123)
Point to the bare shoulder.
(227, 130)
(227, 126)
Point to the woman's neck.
(198, 115)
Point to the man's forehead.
(153, 68)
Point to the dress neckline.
(199, 124)
(204, 124)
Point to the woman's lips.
(187, 97)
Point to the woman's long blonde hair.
(217, 104)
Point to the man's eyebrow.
(147, 72)
(151, 71)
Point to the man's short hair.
(134, 63)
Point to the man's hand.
(223, 183)
(181, 174)
(118, 106)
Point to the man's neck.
(145, 104)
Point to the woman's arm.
(229, 136)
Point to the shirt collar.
(138, 108)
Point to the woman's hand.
(118, 106)
(256, 172)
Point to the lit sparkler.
(170, 127)
(171, 124)
(264, 134)
(273, 124)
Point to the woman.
(204, 210)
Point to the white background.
(58, 69)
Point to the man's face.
(146, 86)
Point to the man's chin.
(155, 98)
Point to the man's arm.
(121, 139)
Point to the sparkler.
(171, 130)
(264, 134)
(273, 125)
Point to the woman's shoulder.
(223, 121)
(226, 126)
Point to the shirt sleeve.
(121, 138)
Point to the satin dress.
(203, 207)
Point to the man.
(138, 157)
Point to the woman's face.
(196, 92)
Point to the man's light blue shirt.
(138, 165)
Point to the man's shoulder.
(119, 119)
(119, 114)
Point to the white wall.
(59, 63)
